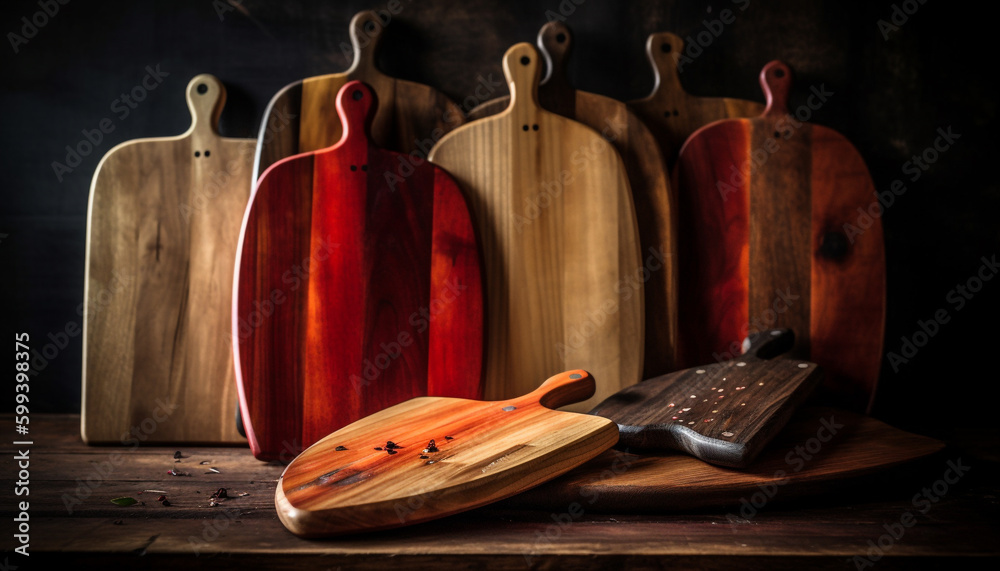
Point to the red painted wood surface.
(357, 289)
(770, 205)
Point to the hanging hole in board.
(202, 89)
(776, 134)
(364, 167)
(779, 73)
(354, 167)
(666, 48)
(370, 27)
(197, 153)
(357, 95)
(525, 60)
(560, 37)
(676, 113)
(535, 126)
(207, 152)
(525, 127)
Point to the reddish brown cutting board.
(558, 228)
(647, 177)
(431, 457)
(769, 211)
(411, 116)
(162, 228)
(672, 113)
(723, 413)
(797, 463)
(355, 290)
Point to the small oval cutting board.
(672, 113)
(647, 177)
(560, 240)
(355, 289)
(301, 117)
(770, 213)
(163, 224)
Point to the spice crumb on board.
(340, 448)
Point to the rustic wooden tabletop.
(71, 517)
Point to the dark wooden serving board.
(355, 290)
(672, 113)
(430, 457)
(769, 212)
(647, 176)
(723, 413)
(162, 229)
(301, 116)
(797, 463)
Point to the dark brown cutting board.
(386, 304)
(672, 113)
(724, 413)
(163, 225)
(430, 457)
(774, 236)
(411, 116)
(618, 482)
(647, 176)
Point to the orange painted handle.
(560, 390)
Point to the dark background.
(890, 97)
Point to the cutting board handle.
(356, 104)
(555, 40)
(366, 37)
(206, 97)
(765, 345)
(776, 81)
(522, 70)
(560, 390)
(664, 50)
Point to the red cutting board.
(356, 289)
(431, 457)
(772, 237)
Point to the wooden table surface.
(73, 519)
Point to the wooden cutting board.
(796, 464)
(411, 116)
(163, 223)
(355, 290)
(672, 113)
(723, 413)
(560, 241)
(773, 238)
(647, 176)
(431, 457)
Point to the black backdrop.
(891, 94)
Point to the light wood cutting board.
(559, 236)
(163, 224)
(647, 176)
(672, 113)
(411, 116)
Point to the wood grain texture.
(647, 176)
(357, 289)
(411, 116)
(670, 112)
(559, 235)
(622, 482)
(445, 456)
(770, 212)
(163, 223)
(723, 413)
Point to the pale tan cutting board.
(163, 224)
(558, 230)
